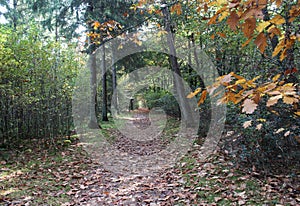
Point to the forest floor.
(61, 172)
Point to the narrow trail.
(103, 187)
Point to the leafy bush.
(163, 100)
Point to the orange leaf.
(221, 34)
(213, 19)
(247, 42)
(202, 98)
(278, 3)
(256, 98)
(192, 94)
(249, 106)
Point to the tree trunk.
(178, 83)
(114, 79)
(104, 87)
(93, 86)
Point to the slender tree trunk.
(179, 87)
(15, 17)
(93, 86)
(114, 79)
(104, 87)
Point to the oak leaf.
(247, 124)
(259, 126)
(273, 100)
(290, 100)
(249, 106)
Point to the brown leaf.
(249, 26)
(261, 42)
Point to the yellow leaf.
(240, 81)
(297, 113)
(221, 2)
(261, 120)
(251, 82)
(273, 100)
(274, 79)
(283, 54)
(279, 130)
(247, 124)
(249, 106)
(259, 126)
(261, 26)
(236, 76)
(290, 100)
(278, 20)
(192, 94)
(278, 48)
(223, 15)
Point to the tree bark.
(93, 86)
(104, 87)
(178, 83)
(114, 79)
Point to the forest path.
(103, 187)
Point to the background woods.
(253, 44)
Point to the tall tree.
(179, 87)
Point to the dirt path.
(215, 181)
(103, 187)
